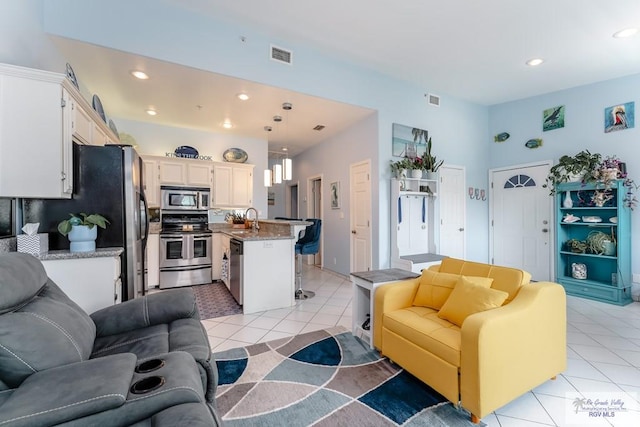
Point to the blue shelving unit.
(608, 276)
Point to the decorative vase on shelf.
(404, 173)
(431, 175)
(416, 173)
(82, 238)
(567, 203)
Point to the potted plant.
(584, 167)
(81, 231)
(611, 169)
(430, 162)
(600, 243)
(399, 167)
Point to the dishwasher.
(235, 269)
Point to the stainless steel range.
(185, 249)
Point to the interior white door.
(521, 219)
(360, 200)
(452, 199)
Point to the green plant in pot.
(584, 167)
(82, 231)
(601, 243)
(430, 162)
(399, 165)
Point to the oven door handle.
(187, 247)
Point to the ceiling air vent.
(281, 55)
(319, 127)
(433, 100)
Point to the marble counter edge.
(66, 254)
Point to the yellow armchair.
(496, 356)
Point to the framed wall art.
(334, 189)
(619, 117)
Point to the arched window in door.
(517, 181)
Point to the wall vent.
(319, 127)
(281, 55)
(433, 100)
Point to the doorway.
(291, 202)
(521, 226)
(314, 210)
(452, 200)
(360, 219)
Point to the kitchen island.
(267, 265)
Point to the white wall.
(157, 140)
(584, 129)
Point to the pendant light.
(287, 165)
(277, 173)
(267, 178)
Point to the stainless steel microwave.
(184, 198)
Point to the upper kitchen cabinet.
(189, 172)
(151, 182)
(41, 115)
(232, 185)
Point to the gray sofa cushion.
(21, 278)
(47, 332)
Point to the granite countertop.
(247, 234)
(66, 254)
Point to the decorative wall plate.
(72, 76)
(235, 155)
(97, 105)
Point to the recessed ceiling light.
(627, 32)
(151, 112)
(285, 149)
(227, 124)
(139, 74)
(242, 96)
(534, 62)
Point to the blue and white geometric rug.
(324, 378)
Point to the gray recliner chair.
(145, 362)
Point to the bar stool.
(308, 244)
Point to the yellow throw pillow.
(435, 288)
(468, 298)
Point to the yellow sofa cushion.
(422, 327)
(505, 279)
(435, 288)
(468, 298)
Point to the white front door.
(360, 200)
(521, 219)
(452, 197)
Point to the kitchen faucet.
(255, 226)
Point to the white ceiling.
(475, 50)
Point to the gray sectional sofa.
(145, 362)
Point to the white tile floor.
(603, 347)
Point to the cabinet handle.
(353, 231)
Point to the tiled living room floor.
(603, 347)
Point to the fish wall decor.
(501, 137)
(533, 143)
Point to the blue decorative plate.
(186, 152)
(113, 127)
(72, 76)
(235, 155)
(97, 105)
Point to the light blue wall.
(155, 29)
(584, 129)
(22, 41)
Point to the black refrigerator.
(107, 180)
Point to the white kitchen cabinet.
(98, 136)
(151, 182)
(92, 283)
(216, 256)
(38, 125)
(232, 185)
(173, 172)
(81, 124)
(153, 261)
(199, 173)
